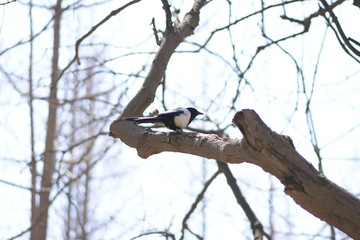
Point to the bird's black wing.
(172, 113)
(144, 119)
(164, 118)
(159, 117)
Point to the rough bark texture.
(148, 142)
(261, 146)
(169, 43)
(273, 152)
(311, 190)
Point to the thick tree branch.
(311, 190)
(273, 152)
(149, 142)
(169, 43)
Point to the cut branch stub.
(311, 190)
(261, 146)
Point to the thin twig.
(93, 29)
(5, 3)
(15, 185)
(197, 201)
(169, 24)
(163, 233)
(155, 32)
(339, 28)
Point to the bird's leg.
(179, 130)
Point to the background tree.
(63, 169)
(242, 56)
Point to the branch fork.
(261, 146)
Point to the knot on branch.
(292, 183)
(256, 132)
(253, 128)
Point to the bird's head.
(193, 112)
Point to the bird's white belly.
(182, 121)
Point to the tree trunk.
(40, 226)
(33, 163)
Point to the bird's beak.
(200, 113)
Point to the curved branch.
(310, 189)
(346, 40)
(274, 153)
(169, 43)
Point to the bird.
(176, 119)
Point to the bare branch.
(197, 201)
(260, 146)
(245, 17)
(57, 194)
(15, 185)
(155, 32)
(34, 36)
(255, 224)
(169, 24)
(339, 28)
(169, 43)
(11, 1)
(162, 233)
(93, 29)
(273, 152)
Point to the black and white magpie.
(176, 119)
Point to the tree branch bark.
(173, 37)
(274, 153)
(311, 190)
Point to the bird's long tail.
(143, 119)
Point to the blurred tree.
(72, 129)
(40, 212)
